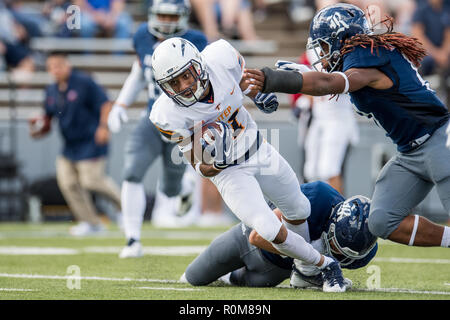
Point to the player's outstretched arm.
(313, 82)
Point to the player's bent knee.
(378, 222)
(132, 176)
(194, 276)
(302, 210)
(171, 190)
(267, 230)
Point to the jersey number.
(233, 122)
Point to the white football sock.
(296, 247)
(446, 238)
(133, 208)
(301, 229)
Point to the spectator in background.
(232, 18)
(55, 13)
(431, 25)
(14, 48)
(108, 16)
(81, 107)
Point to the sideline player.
(328, 141)
(204, 88)
(167, 18)
(380, 72)
(235, 258)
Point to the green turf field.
(35, 263)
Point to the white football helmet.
(165, 29)
(174, 57)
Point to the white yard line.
(156, 250)
(55, 277)
(17, 289)
(161, 288)
(411, 260)
(13, 250)
(387, 290)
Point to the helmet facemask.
(197, 88)
(166, 29)
(322, 47)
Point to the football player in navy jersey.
(337, 228)
(380, 73)
(167, 18)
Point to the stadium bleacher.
(111, 69)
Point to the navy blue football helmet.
(167, 29)
(329, 29)
(348, 237)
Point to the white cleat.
(183, 278)
(300, 281)
(86, 229)
(132, 251)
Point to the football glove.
(291, 66)
(116, 117)
(266, 102)
(223, 146)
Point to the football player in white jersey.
(205, 88)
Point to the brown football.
(207, 135)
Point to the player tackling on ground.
(205, 88)
(380, 73)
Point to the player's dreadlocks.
(410, 47)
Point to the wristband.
(346, 81)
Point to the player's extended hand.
(116, 117)
(252, 82)
(291, 66)
(266, 102)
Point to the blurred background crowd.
(263, 30)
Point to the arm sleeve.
(133, 85)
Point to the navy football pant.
(232, 252)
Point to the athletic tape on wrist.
(247, 91)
